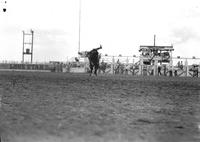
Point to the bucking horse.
(93, 57)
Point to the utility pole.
(79, 38)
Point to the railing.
(109, 65)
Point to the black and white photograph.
(100, 71)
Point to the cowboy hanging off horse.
(93, 57)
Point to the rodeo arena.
(153, 60)
(149, 97)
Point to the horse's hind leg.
(91, 69)
(95, 69)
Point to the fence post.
(186, 68)
(85, 64)
(198, 70)
(113, 65)
(141, 66)
(171, 64)
(155, 67)
(127, 61)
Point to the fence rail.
(111, 65)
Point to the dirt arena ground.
(61, 107)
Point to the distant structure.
(27, 45)
(155, 56)
(4, 6)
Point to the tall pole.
(32, 46)
(79, 39)
(154, 42)
(23, 48)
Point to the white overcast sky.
(121, 26)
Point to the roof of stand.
(160, 48)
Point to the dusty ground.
(49, 107)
